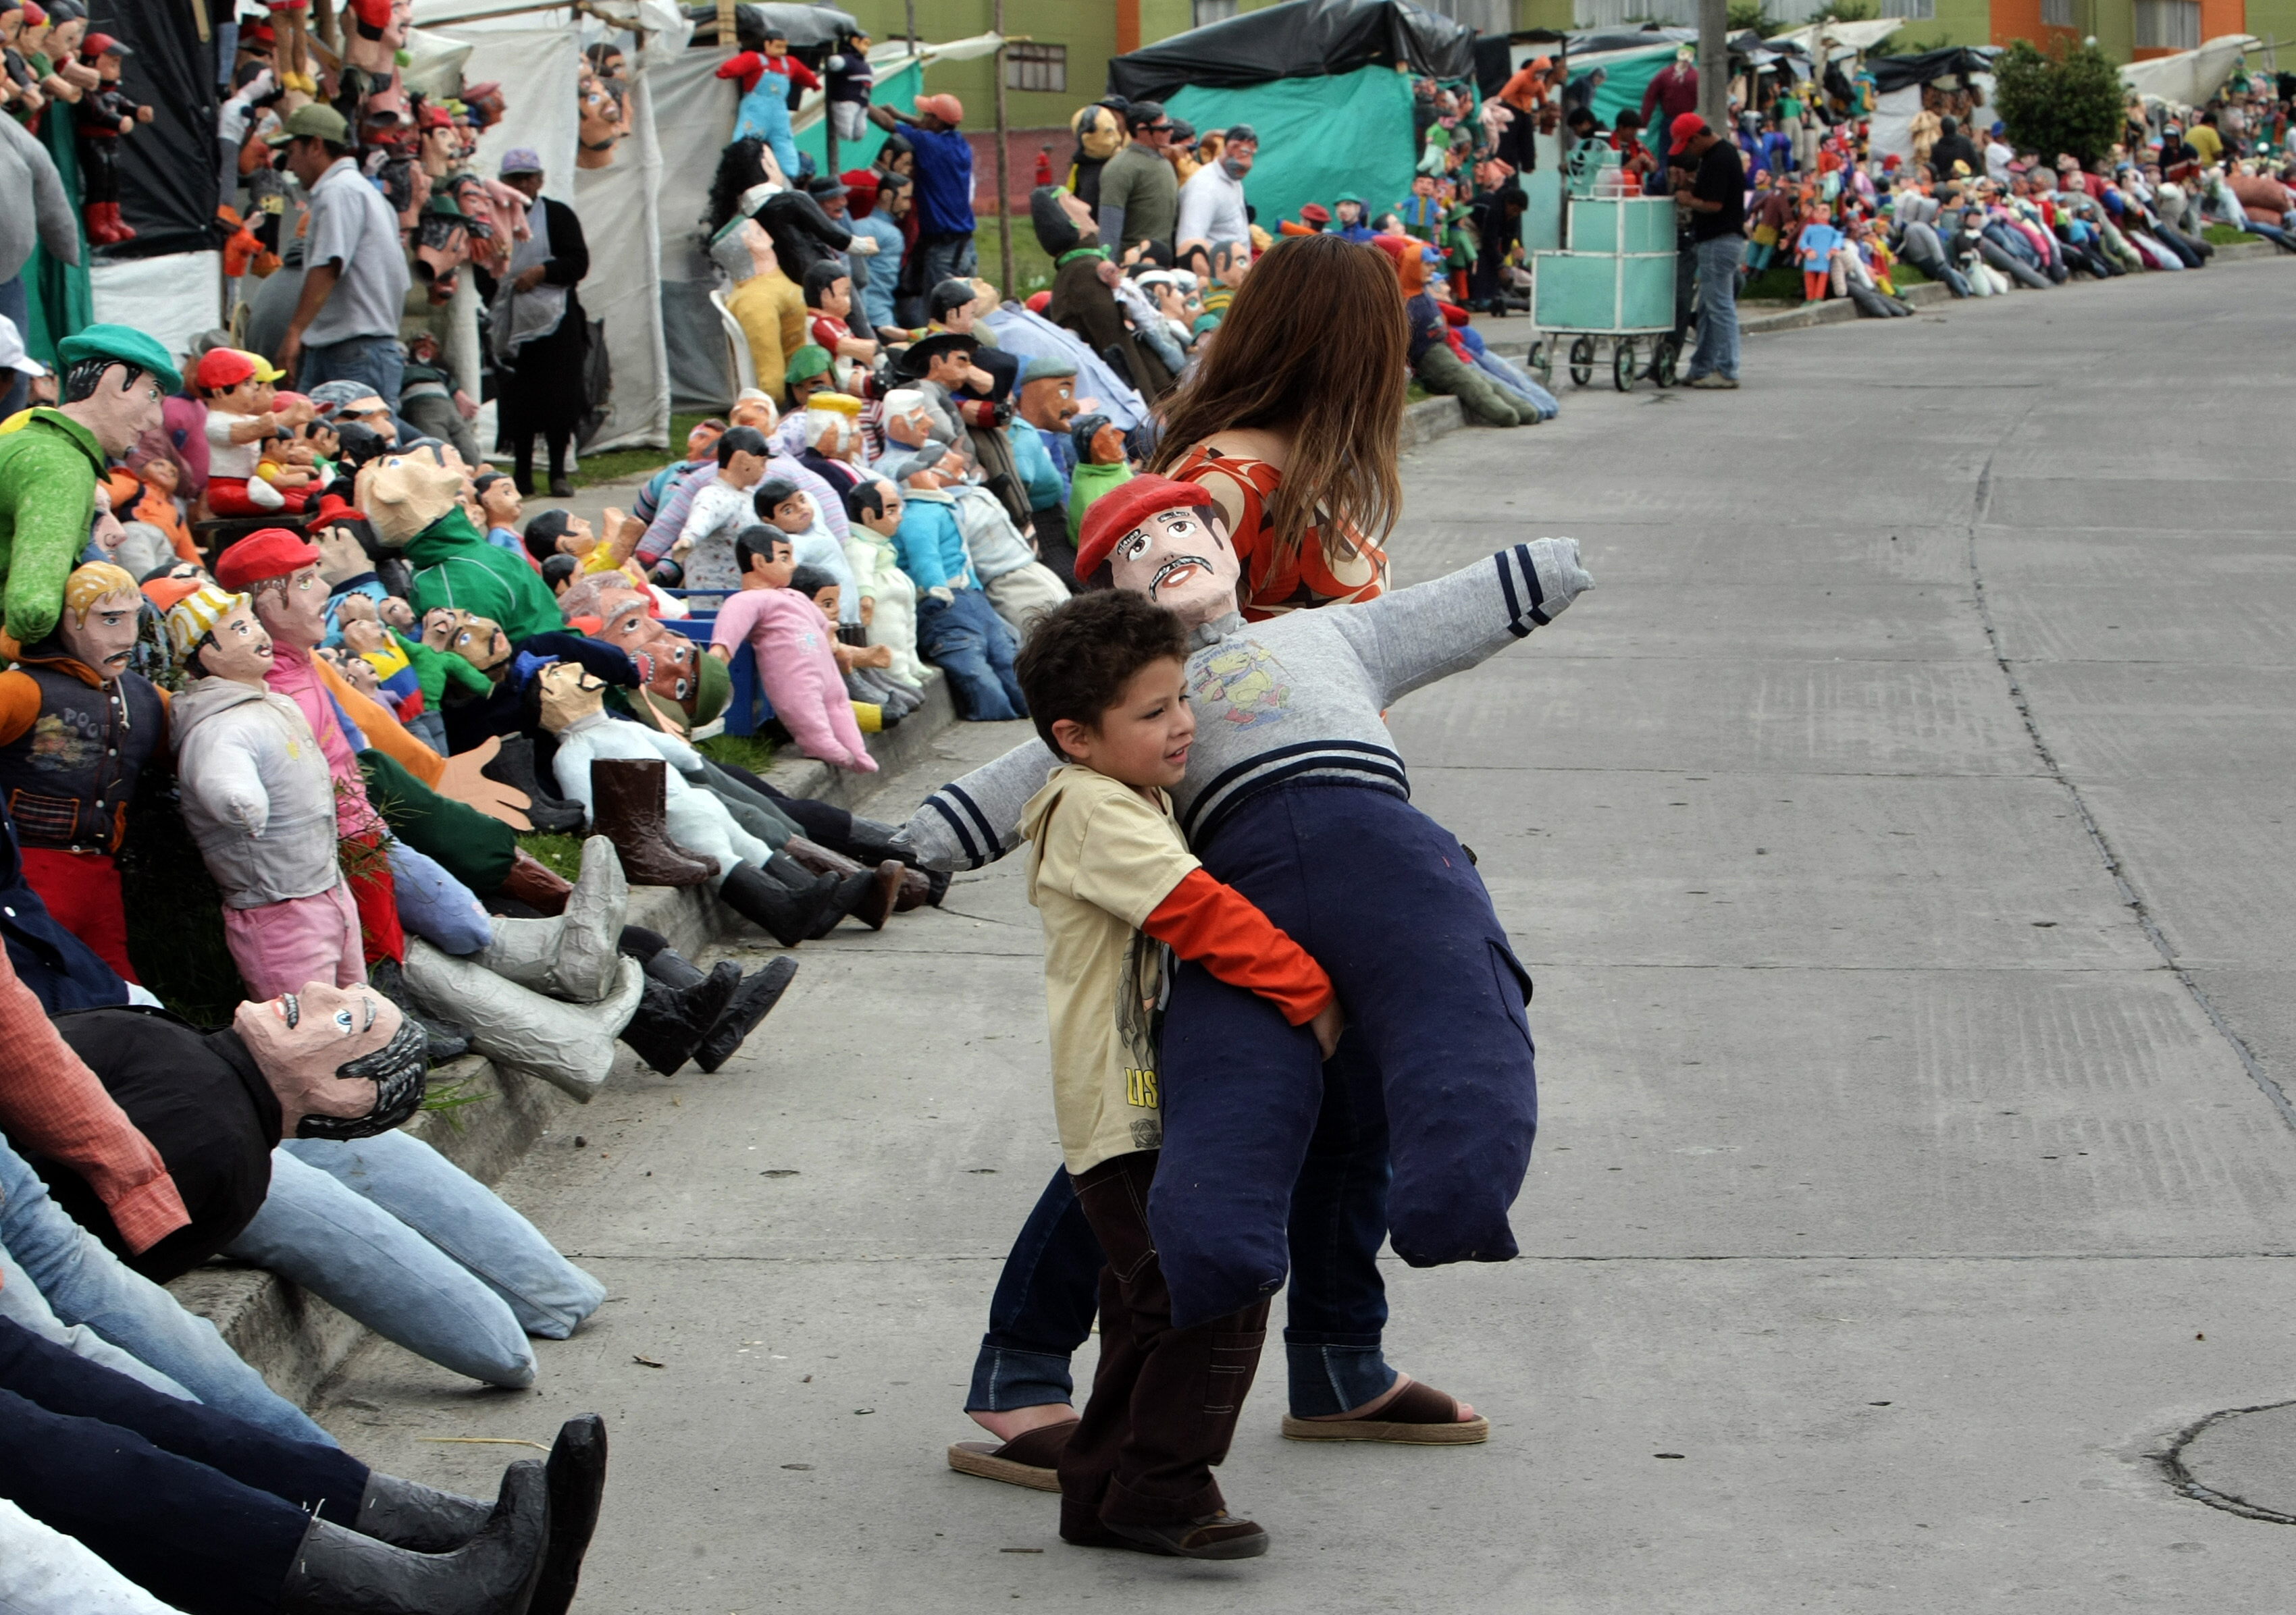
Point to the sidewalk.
(1895, 1201)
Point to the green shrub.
(2069, 100)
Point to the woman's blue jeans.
(61, 1284)
(392, 1233)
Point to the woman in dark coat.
(541, 336)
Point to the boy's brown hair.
(1084, 650)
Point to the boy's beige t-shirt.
(1103, 858)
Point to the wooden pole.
(726, 32)
(1003, 177)
(1714, 65)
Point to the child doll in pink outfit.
(792, 641)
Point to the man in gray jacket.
(33, 206)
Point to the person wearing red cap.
(237, 387)
(105, 114)
(1710, 179)
(944, 187)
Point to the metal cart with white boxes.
(1613, 280)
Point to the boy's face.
(1144, 738)
(793, 514)
(827, 600)
(1182, 560)
(837, 298)
(774, 574)
(948, 369)
(501, 502)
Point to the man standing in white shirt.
(1211, 203)
(1998, 155)
(346, 324)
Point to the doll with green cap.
(115, 380)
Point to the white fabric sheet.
(693, 120)
(173, 296)
(1891, 132)
(622, 224)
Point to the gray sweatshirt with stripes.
(1300, 694)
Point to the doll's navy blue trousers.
(1389, 903)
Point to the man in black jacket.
(1953, 146)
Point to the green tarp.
(1625, 75)
(1318, 137)
(898, 91)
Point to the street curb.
(295, 1340)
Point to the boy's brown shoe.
(1218, 1536)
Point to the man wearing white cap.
(15, 363)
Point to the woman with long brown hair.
(1291, 422)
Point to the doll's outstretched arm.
(976, 820)
(1414, 636)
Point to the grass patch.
(1413, 393)
(753, 753)
(1778, 283)
(1902, 274)
(1032, 265)
(563, 853)
(2226, 235)
(616, 464)
(447, 1098)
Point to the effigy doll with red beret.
(1295, 796)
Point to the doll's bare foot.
(1407, 1411)
(1020, 1421)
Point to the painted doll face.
(102, 636)
(1181, 559)
(793, 514)
(1049, 402)
(674, 676)
(570, 693)
(1108, 445)
(501, 502)
(888, 520)
(294, 610)
(236, 648)
(302, 1041)
(837, 298)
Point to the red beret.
(271, 552)
(1124, 507)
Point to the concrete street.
(1899, 837)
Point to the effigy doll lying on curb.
(1295, 797)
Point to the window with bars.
(2057, 14)
(2167, 25)
(1914, 10)
(1213, 10)
(1037, 67)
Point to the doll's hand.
(462, 780)
(1327, 1026)
(1561, 579)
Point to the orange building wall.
(2217, 18)
(2016, 19)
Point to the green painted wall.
(2274, 20)
(1087, 26)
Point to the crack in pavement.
(2129, 895)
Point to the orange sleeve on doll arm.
(20, 704)
(1222, 930)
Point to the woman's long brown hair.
(1315, 342)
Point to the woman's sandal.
(1029, 1459)
(1417, 1416)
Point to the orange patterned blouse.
(1276, 578)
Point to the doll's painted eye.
(343, 1020)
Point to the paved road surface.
(1899, 837)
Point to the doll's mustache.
(1174, 565)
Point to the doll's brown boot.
(884, 893)
(630, 802)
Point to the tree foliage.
(1845, 10)
(2069, 100)
(1748, 13)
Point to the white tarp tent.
(2189, 77)
(537, 58)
